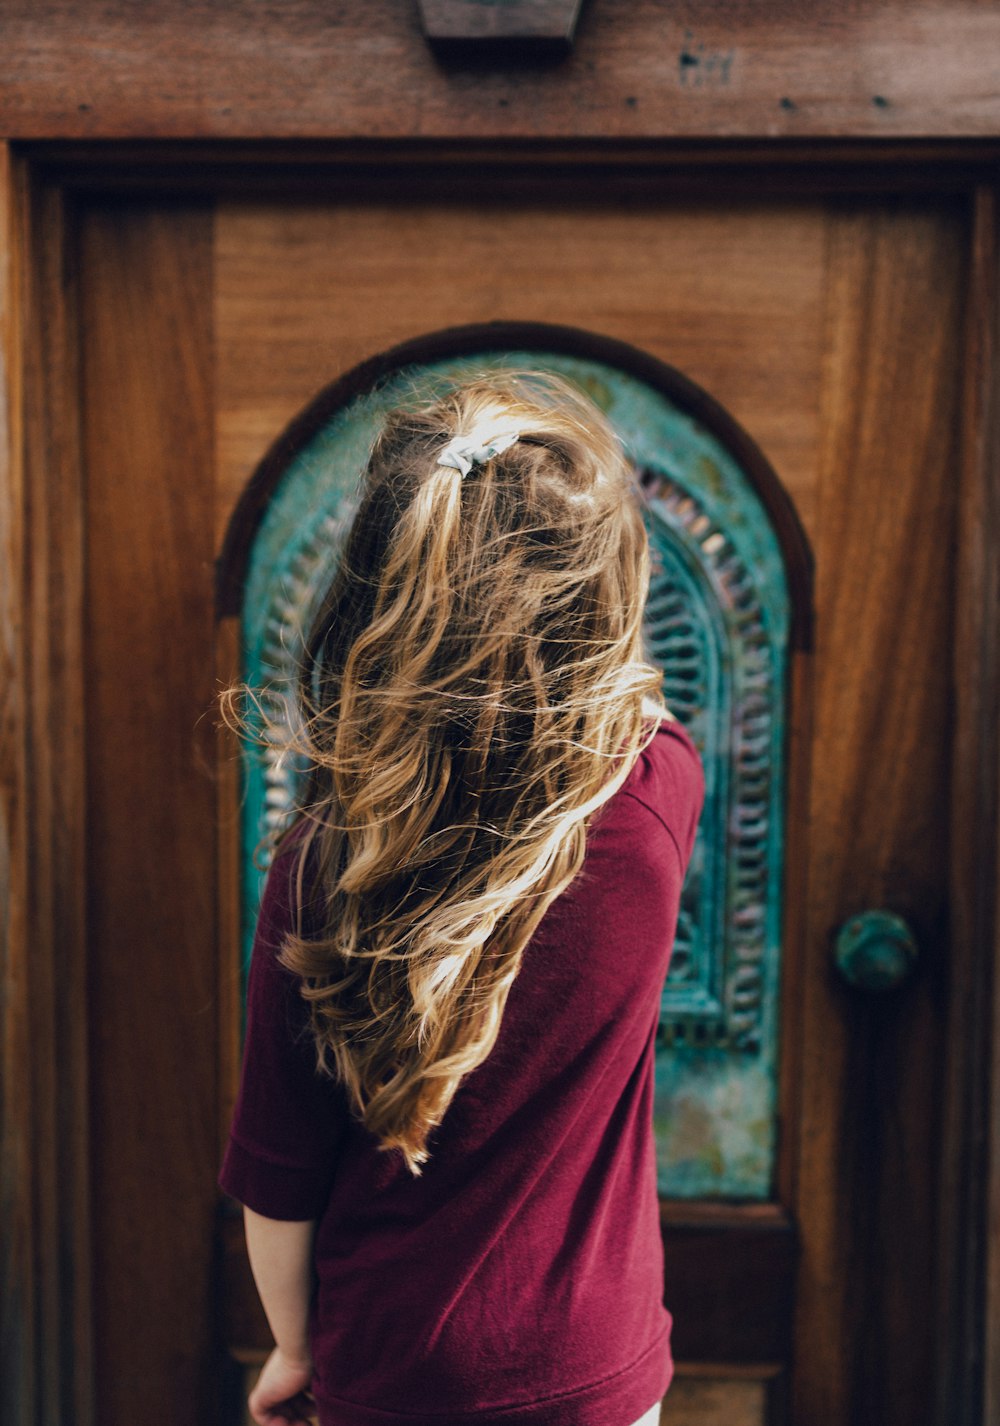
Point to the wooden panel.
(871, 1066)
(732, 294)
(730, 1280)
(978, 874)
(44, 1197)
(713, 1401)
(20, 1347)
(151, 808)
(638, 69)
(968, 1299)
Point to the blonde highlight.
(474, 689)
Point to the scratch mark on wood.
(699, 67)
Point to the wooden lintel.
(499, 34)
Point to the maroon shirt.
(520, 1279)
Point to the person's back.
(498, 1257)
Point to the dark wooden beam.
(639, 69)
(599, 171)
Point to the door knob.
(875, 950)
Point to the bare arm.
(281, 1260)
(280, 1254)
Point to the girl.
(443, 1138)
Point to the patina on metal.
(875, 950)
(717, 623)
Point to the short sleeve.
(669, 780)
(289, 1120)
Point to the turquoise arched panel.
(717, 622)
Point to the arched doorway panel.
(730, 596)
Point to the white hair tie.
(463, 452)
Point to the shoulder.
(670, 756)
(280, 891)
(270, 982)
(669, 780)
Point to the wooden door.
(829, 330)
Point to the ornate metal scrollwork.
(717, 621)
(706, 627)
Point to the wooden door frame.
(45, 1171)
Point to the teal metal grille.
(717, 623)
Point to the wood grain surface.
(870, 1120)
(639, 69)
(705, 1399)
(151, 805)
(20, 1347)
(731, 293)
(45, 1192)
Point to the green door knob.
(875, 950)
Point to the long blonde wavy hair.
(473, 690)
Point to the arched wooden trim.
(231, 565)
